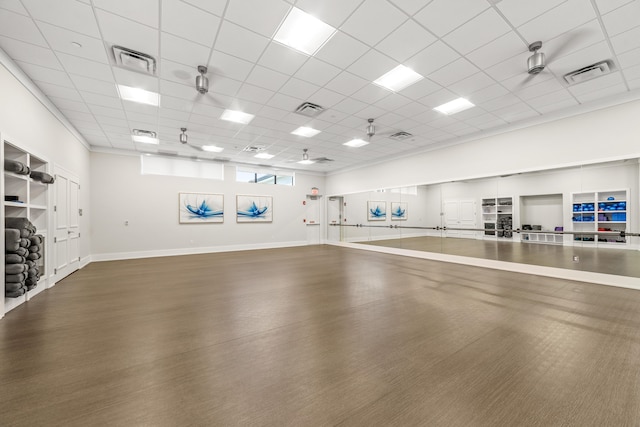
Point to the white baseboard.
(192, 251)
(84, 261)
(559, 273)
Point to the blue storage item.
(621, 216)
(588, 218)
(577, 208)
(577, 218)
(611, 198)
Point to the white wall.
(150, 204)
(606, 134)
(26, 122)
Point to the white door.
(460, 214)
(67, 225)
(334, 215)
(313, 220)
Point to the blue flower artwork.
(398, 211)
(199, 208)
(254, 208)
(376, 211)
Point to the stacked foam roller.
(23, 249)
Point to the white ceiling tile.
(254, 93)
(369, 112)
(626, 41)
(515, 66)
(13, 6)
(501, 102)
(410, 7)
(487, 94)
(602, 93)
(632, 73)
(561, 19)
(454, 72)
(326, 98)
(580, 38)
(346, 83)
(332, 12)
(212, 6)
(412, 109)
(349, 106)
(634, 84)
(471, 84)
(240, 42)
(84, 67)
(67, 104)
(230, 66)
(20, 27)
(77, 115)
(69, 14)
(207, 110)
(392, 101)
(370, 94)
(486, 121)
(177, 90)
(47, 75)
(599, 83)
(183, 51)
(60, 91)
(443, 16)
(99, 110)
(477, 32)
(120, 31)
(540, 89)
(261, 16)
(272, 113)
(522, 81)
(282, 59)
(144, 11)
(518, 12)
(115, 129)
(432, 58)
(500, 49)
(224, 85)
(372, 65)
(582, 58)
(60, 40)
(285, 102)
(86, 84)
(406, 41)
(629, 58)
(133, 79)
(299, 88)
(266, 78)
(317, 72)
(111, 121)
(341, 50)
(365, 23)
(428, 115)
(438, 98)
(547, 101)
(175, 107)
(201, 28)
(606, 6)
(419, 89)
(102, 100)
(622, 19)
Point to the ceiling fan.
(202, 84)
(308, 161)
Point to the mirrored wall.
(577, 218)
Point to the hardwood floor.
(319, 335)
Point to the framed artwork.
(399, 211)
(254, 208)
(376, 211)
(197, 208)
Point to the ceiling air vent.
(309, 109)
(589, 72)
(133, 60)
(400, 136)
(254, 148)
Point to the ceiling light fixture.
(141, 96)
(264, 156)
(303, 32)
(212, 148)
(305, 158)
(202, 81)
(145, 136)
(398, 78)
(455, 106)
(371, 129)
(356, 143)
(305, 131)
(237, 117)
(183, 136)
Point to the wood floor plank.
(319, 335)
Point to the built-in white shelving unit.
(497, 213)
(32, 203)
(600, 211)
(548, 238)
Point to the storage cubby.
(497, 213)
(602, 211)
(25, 198)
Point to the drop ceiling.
(476, 49)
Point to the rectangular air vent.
(590, 72)
(133, 60)
(254, 148)
(401, 135)
(309, 109)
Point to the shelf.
(15, 204)
(38, 207)
(12, 175)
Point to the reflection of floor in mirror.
(601, 260)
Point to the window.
(264, 176)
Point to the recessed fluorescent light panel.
(305, 131)
(237, 116)
(264, 156)
(356, 143)
(454, 106)
(212, 148)
(141, 96)
(303, 32)
(398, 78)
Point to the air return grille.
(133, 60)
(590, 72)
(401, 135)
(309, 109)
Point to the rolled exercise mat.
(14, 259)
(11, 239)
(15, 268)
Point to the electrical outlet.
(576, 258)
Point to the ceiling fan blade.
(524, 83)
(564, 44)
